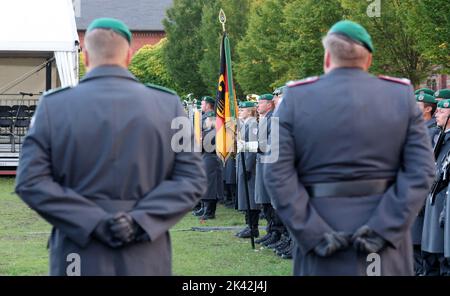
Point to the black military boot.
(276, 236)
(210, 210)
(246, 229)
(264, 238)
(247, 232)
(200, 211)
(253, 230)
(281, 244)
(283, 248)
(288, 252)
(268, 234)
(242, 231)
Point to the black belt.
(350, 188)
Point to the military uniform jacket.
(261, 195)
(433, 234)
(229, 172)
(248, 132)
(337, 128)
(417, 228)
(211, 162)
(105, 146)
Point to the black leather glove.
(331, 243)
(103, 233)
(367, 241)
(125, 229)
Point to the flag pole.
(223, 20)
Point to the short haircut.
(433, 107)
(344, 51)
(105, 46)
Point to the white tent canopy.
(42, 26)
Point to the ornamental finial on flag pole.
(222, 18)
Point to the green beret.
(111, 24)
(354, 31)
(266, 97)
(247, 104)
(445, 104)
(426, 98)
(443, 94)
(422, 91)
(209, 99)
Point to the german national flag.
(226, 105)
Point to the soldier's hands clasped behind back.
(119, 230)
(365, 240)
(331, 243)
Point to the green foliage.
(430, 20)
(148, 65)
(254, 72)
(81, 66)
(396, 41)
(211, 33)
(300, 52)
(184, 48)
(274, 41)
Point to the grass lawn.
(23, 240)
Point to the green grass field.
(23, 239)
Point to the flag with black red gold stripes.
(226, 105)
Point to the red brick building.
(143, 17)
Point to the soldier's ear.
(86, 59)
(369, 62)
(326, 62)
(129, 56)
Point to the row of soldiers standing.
(431, 230)
(229, 182)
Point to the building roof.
(139, 15)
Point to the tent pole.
(48, 75)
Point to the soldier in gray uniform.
(248, 132)
(229, 178)
(262, 198)
(97, 164)
(351, 174)
(427, 104)
(211, 162)
(433, 244)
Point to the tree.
(184, 45)
(299, 52)
(431, 21)
(396, 41)
(211, 34)
(254, 72)
(148, 65)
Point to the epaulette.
(161, 88)
(404, 81)
(303, 81)
(55, 90)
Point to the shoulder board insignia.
(55, 90)
(404, 81)
(303, 81)
(161, 88)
